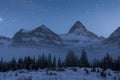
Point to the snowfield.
(68, 74)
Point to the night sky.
(99, 16)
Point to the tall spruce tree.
(83, 59)
(59, 63)
(54, 62)
(49, 60)
(13, 64)
(20, 64)
(107, 62)
(71, 60)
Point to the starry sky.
(99, 16)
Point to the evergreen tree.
(107, 62)
(20, 64)
(71, 60)
(1, 64)
(83, 59)
(27, 63)
(54, 62)
(117, 64)
(33, 64)
(59, 63)
(13, 64)
(49, 61)
(96, 63)
(42, 62)
(45, 61)
(38, 62)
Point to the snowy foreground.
(68, 74)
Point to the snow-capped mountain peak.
(78, 28)
(39, 36)
(41, 28)
(114, 37)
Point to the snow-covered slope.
(68, 74)
(39, 36)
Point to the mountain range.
(77, 38)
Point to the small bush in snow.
(109, 74)
(74, 69)
(93, 70)
(16, 74)
(86, 71)
(115, 78)
(103, 74)
(52, 73)
(98, 70)
(60, 69)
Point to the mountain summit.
(79, 29)
(114, 37)
(39, 36)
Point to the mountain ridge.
(78, 34)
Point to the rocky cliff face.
(39, 36)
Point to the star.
(1, 19)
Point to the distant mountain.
(78, 35)
(114, 38)
(79, 29)
(43, 40)
(39, 36)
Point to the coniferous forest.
(71, 60)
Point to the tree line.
(71, 60)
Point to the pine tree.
(83, 59)
(13, 64)
(117, 64)
(38, 62)
(33, 63)
(107, 62)
(96, 63)
(59, 63)
(27, 63)
(49, 61)
(20, 64)
(1, 64)
(42, 62)
(54, 62)
(71, 60)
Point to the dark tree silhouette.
(83, 59)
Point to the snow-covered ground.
(68, 74)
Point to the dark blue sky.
(99, 16)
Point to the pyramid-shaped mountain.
(79, 29)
